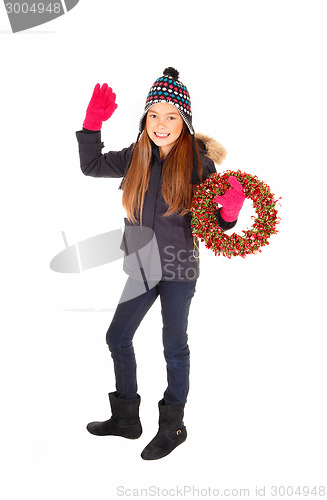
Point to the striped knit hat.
(168, 88)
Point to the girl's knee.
(112, 339)
(117, 342)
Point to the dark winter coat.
(164, 247)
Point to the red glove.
(101, 107)
(232, 201)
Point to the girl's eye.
(153, 116)
(171, 118)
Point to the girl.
(159, 177)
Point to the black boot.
(124, 421)
(171, 433)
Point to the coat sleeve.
(97, 164)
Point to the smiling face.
(164, 125)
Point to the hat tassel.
(195, 179)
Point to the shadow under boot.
(171, 433)
(124, 422)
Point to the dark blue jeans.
(175, 300)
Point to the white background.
(256, 413)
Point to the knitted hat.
(168, 88)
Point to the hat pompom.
(171, 72)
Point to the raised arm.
(112, 164)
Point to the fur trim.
(215, 151)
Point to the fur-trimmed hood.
(213, 149)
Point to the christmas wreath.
(205, 226)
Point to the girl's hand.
(101, 107)
(232, 201)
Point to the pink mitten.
(232, 201)
(101, 107)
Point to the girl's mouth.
(161, 136)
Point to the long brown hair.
(177, 189)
